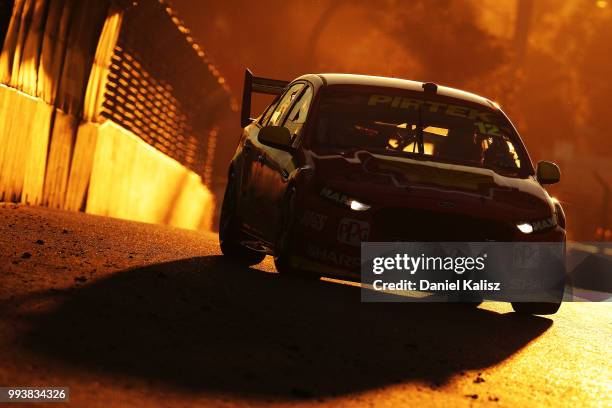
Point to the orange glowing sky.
(556, 91)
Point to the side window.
(268, 112)
(297, 117)
(284, 104)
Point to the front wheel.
(228, 229)
(544, 308)
(283, 249)
(536, 308)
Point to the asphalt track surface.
(132, 314)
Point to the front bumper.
(329, 235)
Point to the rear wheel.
(228, 229)
(283, 249)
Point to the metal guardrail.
(162, 87)
(146, 106)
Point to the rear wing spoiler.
(257, 85)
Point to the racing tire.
(283, 249)
(536, 308)
(228, 231)
(544, 308)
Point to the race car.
(338, 159)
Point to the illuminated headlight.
(342, 198)
(535, 226)
(525, 228)
(359, 206)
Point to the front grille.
(400, 224)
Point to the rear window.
(415, 125)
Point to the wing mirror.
(275, 136)
(548, 173)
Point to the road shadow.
(206, 324)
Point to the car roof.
(398, 83)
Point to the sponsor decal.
(352, 232)
(488, 129)
(314, 220)
(335, 196)
(338, 259)
(400, 102)
(543, 224)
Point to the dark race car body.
(340, 159)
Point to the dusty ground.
(130, 314)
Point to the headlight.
(535, 226)
(344, 199)
(359, 206)
(525, 228)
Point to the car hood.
(388, 181)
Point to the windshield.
(438, 129)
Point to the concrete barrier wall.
(59, 158)
(132, 180)
(100, 168)
(63, 119)
(24, 138)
